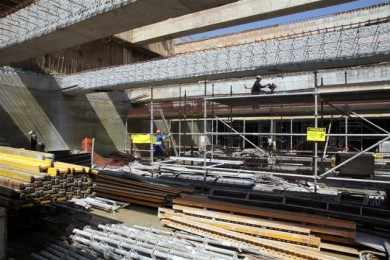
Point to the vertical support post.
(180, 137)
(126, 148)
(180, 119)
(244, 131)
(205, 114)
(93, 153)
(315, 125)
(346, 133)
(291, 136)
(272, 130)
(205, 140)
(216, 130)
(212, 138)
(151, 126)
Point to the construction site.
(194, 129)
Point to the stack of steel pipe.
(131, 190)
(137, 242)
(29, 177)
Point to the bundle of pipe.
(138, 242)
(29, 177)
(276, 233)
(131, 190)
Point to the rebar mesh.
(322, 46)
(45, 16)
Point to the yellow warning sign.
(143, 139)
(316, 134)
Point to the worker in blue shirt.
(159, 147)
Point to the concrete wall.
(100, 53)
(30, 101)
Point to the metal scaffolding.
(46, 16)
(317, 98)
(340, 45)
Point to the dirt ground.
(133, 215)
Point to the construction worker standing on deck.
(257, 87)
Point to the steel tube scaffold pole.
(315, 125)
(151, 126)
(346, 133)
(354, 157)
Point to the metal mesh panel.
(45, 16)
(315, 47)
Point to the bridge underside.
(48, 26)
(339, 47)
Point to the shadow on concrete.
(34, 102)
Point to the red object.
(86, 145)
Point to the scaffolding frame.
(316, 94)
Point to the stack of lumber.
(135, 191)
(34, 177)
(276, 233)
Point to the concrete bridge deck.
(51, 25)
(336, 47)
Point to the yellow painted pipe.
(25, 153)
(17, 175)
(14, 160)
(21, 166)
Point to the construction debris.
(33, 177)
(125, 188)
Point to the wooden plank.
(268, 213)
(339, 248)
(276, 245)
(204, 233)
(242, 219)
(254, 231)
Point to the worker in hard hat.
(257, 86)
(159, 147)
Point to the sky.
(284, 19)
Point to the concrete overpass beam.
(231, 14)
(48, 26)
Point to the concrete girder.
(282, 30)
(361, 78)
(48, 26)
(339, 47)
(231, 14)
